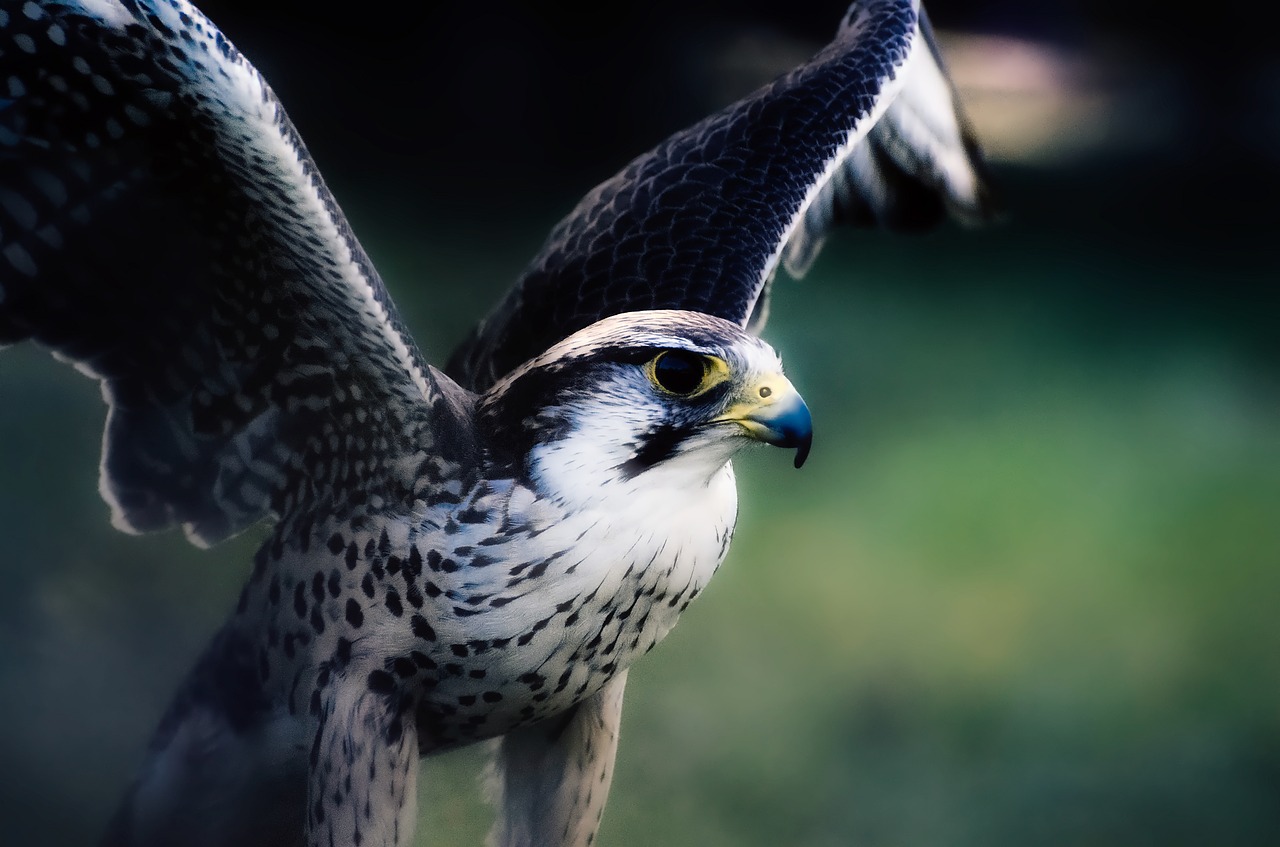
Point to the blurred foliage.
(1024, 592)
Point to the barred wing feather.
(163, 228)
(868, 131)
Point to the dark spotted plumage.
(703, 220)
(444, 566)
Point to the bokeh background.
(1025, 591)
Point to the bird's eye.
(679, 372)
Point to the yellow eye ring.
(685, 374)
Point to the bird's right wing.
(163, 228)
(868, 131)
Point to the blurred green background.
(1024, 592)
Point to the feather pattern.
(702, 220)
(163, 227)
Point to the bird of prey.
(473, 553)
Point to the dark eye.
(679, 372)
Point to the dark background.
(1025, 590)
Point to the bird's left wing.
(868, 131)
(163, 228)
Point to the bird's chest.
(503, 612)
(586, 594)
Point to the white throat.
(680, 512)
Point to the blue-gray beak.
(774, 412)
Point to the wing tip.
(985, 202)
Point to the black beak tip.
(802, 450)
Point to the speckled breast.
(504, 612)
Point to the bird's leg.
(362, 789)
(550, 780)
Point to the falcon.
(455, 555)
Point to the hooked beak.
(773, 411)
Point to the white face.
(642, 404)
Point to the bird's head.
(643, 393)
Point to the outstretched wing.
(868, 131)
(163, 228)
